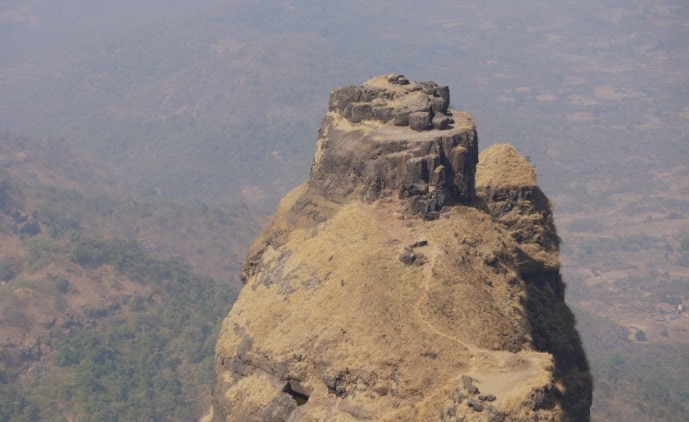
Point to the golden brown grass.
(501, 166)
(335, 295)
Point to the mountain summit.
(407, 279)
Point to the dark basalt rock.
(475, 405)
(407, 257)
(430, 166)
(421, 106)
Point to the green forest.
(130, 335)
(150, 363)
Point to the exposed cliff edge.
(407, 279)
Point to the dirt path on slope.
(501, 373)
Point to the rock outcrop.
(367, 151)
(393, 98)
(403, 281)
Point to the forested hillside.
(100, 316)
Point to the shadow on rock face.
(553, 331)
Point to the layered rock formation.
(407, 279)
(367, 150)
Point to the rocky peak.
(394, 138)
(354, 308)
(393, 98)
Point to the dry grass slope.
(501, 166)
(329, 306)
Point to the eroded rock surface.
(370, 146)
(402, 282)
(393, 98)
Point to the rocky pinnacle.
(406, 280)
(393, 137)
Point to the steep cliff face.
(407, 279)
(367, 151)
